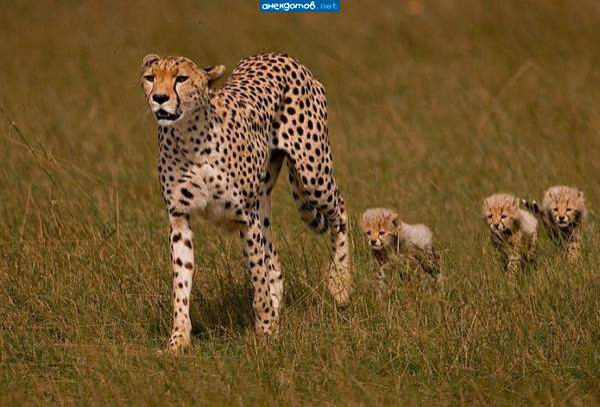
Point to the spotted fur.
(563, 213)
(391, 239)
(220, 153)
(513, 230)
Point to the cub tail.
(532, 206)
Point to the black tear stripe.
(176, 95)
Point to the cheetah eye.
(569, 209)
(381, 232)
(489, 216)
(503, 216)
(555, 209)
(149, 78)
(181, 79)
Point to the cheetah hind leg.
(308, 213)
(339, 277)
(432, 264)
(321, 213)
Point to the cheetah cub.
(514, 230)
(563, 214)
(391, 239)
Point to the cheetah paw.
(340, 291)
(179, 343)
(266, 332)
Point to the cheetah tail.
(532, 206)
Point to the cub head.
(175, 86)
(380, 227)
(501, 212)
(564, 205)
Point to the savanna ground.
(433, 106)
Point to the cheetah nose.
(497, 225)
(561, 218)
(160, 99)
(373, 242)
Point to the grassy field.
(433, 106)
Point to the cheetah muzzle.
(163, 115)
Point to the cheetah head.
(564, 205)
(380, 227)
(175, 86)
(501, 212)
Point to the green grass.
(429, 113)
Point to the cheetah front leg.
(514, 248)
(531, 251)
(265, 303)
(379, 278)
(182, 260)
(574, 246)
(513, 261)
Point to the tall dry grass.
(432, 108)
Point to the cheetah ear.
(214, 73)
(395, 219)
(484, 207)
(149, 60)
(580, 195)
(362, 220)
(362, 225)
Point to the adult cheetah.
(220, 153)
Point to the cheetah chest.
(203, 189)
